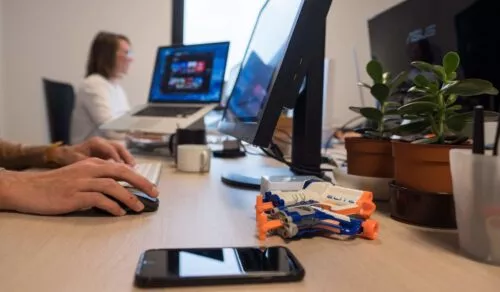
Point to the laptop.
(187, 84)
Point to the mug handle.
(204, 160)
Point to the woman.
(101, 98)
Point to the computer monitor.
(425, 30)
(282, 69)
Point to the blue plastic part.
(309, 220)
(273, 198)
(267, 197)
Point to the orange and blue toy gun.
(309, 219)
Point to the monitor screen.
(425, 30)
(282, 69)
(193, 73)
(262, 60)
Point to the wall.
(347, 31)
(38, 41)
(51, 38)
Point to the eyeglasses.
(128, 54)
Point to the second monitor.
(282, 68)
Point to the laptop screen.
(189, 73)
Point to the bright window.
(221, 20)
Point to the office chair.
(60, 101)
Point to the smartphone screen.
(213, 266)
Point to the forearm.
(17, 156)
(7, 180)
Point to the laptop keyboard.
(163, 111)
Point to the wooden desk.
(100, 254)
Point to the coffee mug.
(186, 136)
(193, 158)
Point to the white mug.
(193, 158)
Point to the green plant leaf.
(451, 61)
(448, 85)
(374, 69)
(429, 98)
(439, 72)
(452, 98)
(452, 76)
(422, 66)
(413, 117)
(380, 92)
(391, 112)
(434, 125)
(412, 128)
(418, 107)
(452, 110)
(371, 113)
(456, 107)
(456, 123)
(434, 87)
(416, 89)
(392, 104)
(386, 77)
(472, 87)
(430, 140)
(398, 80)
(362, 84)
(421, 81)
(355, 109)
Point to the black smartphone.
(217, 266)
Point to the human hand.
(76, 187)
(94, 147)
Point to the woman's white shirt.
(98, 100)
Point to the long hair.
(102, 54)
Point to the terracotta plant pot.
(422, 191)
(369, 157)
(423, 167)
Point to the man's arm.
(16, 156)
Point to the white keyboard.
(151, 171)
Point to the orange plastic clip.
(263, 224)
(370, 229)
(260, 206)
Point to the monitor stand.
(252, 181)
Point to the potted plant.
(371, 154)
(421, 168)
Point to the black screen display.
(217, 262)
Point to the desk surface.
(100, 254)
